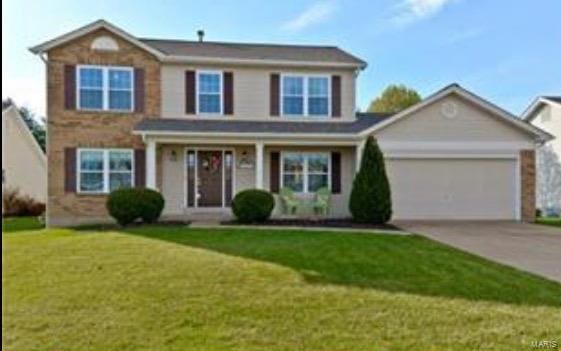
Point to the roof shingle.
(248, 51)
(163, 125)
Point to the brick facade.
(72, 128)
(528, 185)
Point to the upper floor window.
(105, 88)
(209, 92)
(305, 95)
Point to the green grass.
(17, 224)
(172, 288)
(555, 222)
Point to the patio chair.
(321, 201)
(290, 203)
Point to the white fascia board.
(258, 62)
(245, 138)
(469, 146)
(250, 135)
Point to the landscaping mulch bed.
(331, 223)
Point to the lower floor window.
(103, 170)
(305, 172)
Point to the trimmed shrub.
(126, 205)
(253, 205)
(15, 204)
(151, 205)
(370, 200)
(123, 205)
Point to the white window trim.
(220, 92)
(105, 170)
(104, 87)
(305, 171)
(305, 95)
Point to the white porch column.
(151, 164)
(359, 149)
(259, 164)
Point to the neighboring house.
(200, 121)
(24, 164)
(545, 113)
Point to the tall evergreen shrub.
(370, 200)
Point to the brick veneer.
(528, 185)
(71, 128)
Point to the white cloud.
(318, 12)
(26, 91)
(409, 11)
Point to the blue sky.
(507, 51)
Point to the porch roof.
(283, 127)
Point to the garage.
(456, 188)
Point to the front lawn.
(174, 288)
(552, 221)
(18, 224)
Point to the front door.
(209, 172)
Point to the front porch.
(199, 177)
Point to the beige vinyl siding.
(251, 90)
(24, 164)
(549, 119)
(471, 123)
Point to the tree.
(394, 99)
(370, 200)
(30, 119)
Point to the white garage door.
(453, 188)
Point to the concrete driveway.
(529, 247)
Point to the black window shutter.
(336, 172)
(274, 172)
(69, 87)
(228, 93)
(274, 93)
(70, 170)
(335, 96)
(139, 93)
(139, 168)
(190, 98)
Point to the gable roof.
(529, 114)
(486, 105)
(168, 50)
(258, 127)
(13, 113)
(46, 46)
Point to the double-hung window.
(293, 95)
(305, 95)
(105, 88)
(305, 172)
(209, 92)
(102, 170)
(318, 96)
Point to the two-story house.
(200, 121)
